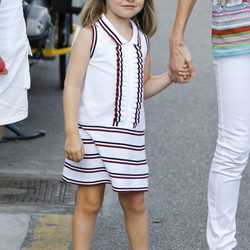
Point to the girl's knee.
(133, 202)
(88, 202)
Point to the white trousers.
(232, 150)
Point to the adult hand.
(179, 56)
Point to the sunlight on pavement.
(53, 232)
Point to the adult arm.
(178, 50)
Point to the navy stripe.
(112, 173)
(86, 140)
(125, 163)
(134, 188)
(91, 154)
(129, 178)
(70, 165)
(84, 170)
(119, 144)
(120, 83)
(118, 159)
(103, 182)
(109, 145)
(93, 46)
(111, 128)
(109, 31)
(86, 182)
(140, 82)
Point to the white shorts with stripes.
(112, 155)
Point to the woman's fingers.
(191, 69)
(183, 49)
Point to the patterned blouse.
(230, 27)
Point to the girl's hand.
(183, 72)
(73, 148)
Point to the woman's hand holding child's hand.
(73, 148)
(183, 72)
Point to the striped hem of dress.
(112, 130)
(105, 181)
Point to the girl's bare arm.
(72, 93)
(155, 84)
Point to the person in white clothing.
(14, 49)
(108, 77)
(231, 51)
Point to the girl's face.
(124, 8)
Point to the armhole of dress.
(147, 42)
(94, 40)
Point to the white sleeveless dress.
(111, 114)
(14, 49)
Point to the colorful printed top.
(230, 27)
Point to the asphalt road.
(181, 137)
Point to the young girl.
(108, 77)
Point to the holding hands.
(180, 63)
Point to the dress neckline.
(112, 31)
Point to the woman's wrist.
(175, 40)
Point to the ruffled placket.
(129, 76)
(129, 87)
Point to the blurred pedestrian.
(15, 76)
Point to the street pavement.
(181, 136)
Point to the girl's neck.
(121, 24)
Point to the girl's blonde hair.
(145, 19)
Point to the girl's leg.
(88, 203)
(136, 219)
(232, 150)
(1, 132)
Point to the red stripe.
(84, 171)
(118, 47)
(230, 31)
(126, 163)
(129, 178)
(114, 131)
(115, 120)
(126, 190)
(133, 149)
(85, 184)
(92, 157)
(93, 34)
(109, 146)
